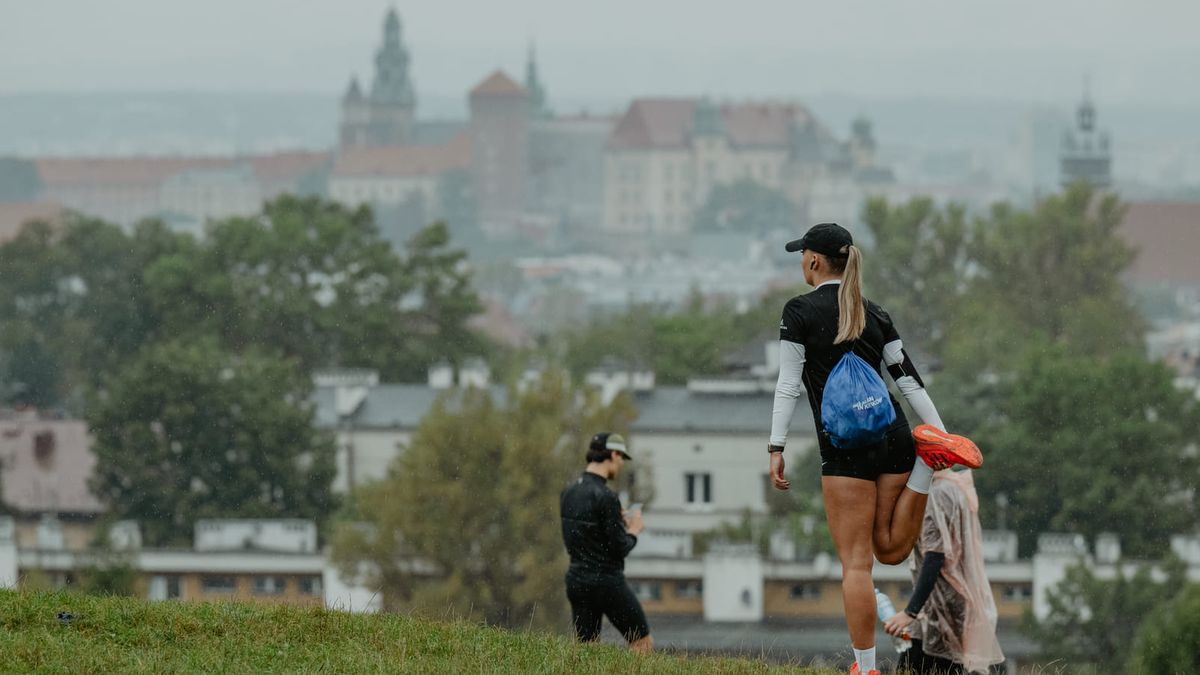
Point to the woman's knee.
(858, 561)
(892, 554)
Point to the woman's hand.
(777, 478)
(897, 626)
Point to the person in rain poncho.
(951, 617)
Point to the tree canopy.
(475, 496)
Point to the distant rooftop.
(663, 410)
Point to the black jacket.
(594, 531)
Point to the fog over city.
(1023, 50)
(655, 322)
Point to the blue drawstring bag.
(856, 409)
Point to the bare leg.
(898, 516)
(850, 511)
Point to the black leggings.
(590, 602)
(917, 662)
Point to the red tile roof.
(47, 464)
(498, 84)
(119, 170)
(667, 123)
(1167, 238)
(14, 215)
(405, 160)
(151, 171)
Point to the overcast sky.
(1035, 50)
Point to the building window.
(311, 586)
(689, 590)
(43, 448)
(165, 587)
(267, 585)
(698, 488)
(1012, 593)
(218, 584)
(647, 591)
(805, 591)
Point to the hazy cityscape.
(260, 264)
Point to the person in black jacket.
(598, 535)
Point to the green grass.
(128, 635)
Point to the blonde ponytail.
(852, 316)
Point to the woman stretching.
(874, 495)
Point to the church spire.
(392, 84)
(1085, 154)
(353, 92)
(536, 93)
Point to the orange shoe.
(854, 671)
(942, 450)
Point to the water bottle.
(885, 610)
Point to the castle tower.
(356, 117)
(499, 141)
(1085, 155)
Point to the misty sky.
(1034, 50)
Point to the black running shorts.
(894, 454)
(590, 602)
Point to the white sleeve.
(909, 382)
(788, 388)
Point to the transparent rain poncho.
(958, 621)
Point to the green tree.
(675, 345)
(1093, 621)
(475, 496)
(1071, 443)
(188, 431)
(745, 206)
(1169, 640)
(917, 266)
(73, 303)
(314, 281)
(109, 573)
(1048, 274)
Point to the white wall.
(374, 451)
(348, 597)
(290, 535)
(733, 584)
(392, 190)
(8, 552)
(737, 464)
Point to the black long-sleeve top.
(594, 531)
(926, 578)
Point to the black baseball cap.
(828, 239)
(606, 441)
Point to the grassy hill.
(127, 635)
